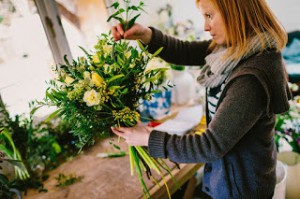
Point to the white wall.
(287, 11)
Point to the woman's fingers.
(117, 36)
(120, 29)
(117, 131)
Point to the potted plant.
(287, 133)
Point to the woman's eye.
(209, 16)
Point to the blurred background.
(36, 34)
(26, 58)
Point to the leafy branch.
(128, 20)
(66, 180)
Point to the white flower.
(87, 75)
(155, 63)
(107, 68)
(91, 98)
(164, 16)
(107, 49)
(180, 30)
(293, 87)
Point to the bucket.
(280, 188)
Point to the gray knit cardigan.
(238, 145)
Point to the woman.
(246, 87)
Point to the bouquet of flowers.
(103, 89)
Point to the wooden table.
(107, 178)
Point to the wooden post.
(54, 30)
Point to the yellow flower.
(69, 80)
(97, 80)
(82, 59)
(96, 58)
(91, 98)
(128, 54)
(126, 116)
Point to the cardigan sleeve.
(243, 105)
(177, 51)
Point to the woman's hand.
(134, 136)
(137, 31)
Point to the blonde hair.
(247, 18)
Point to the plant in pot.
(10, 160)
(287, 138)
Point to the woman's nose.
(206, 26)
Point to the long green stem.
(139, 172)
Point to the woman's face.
(214, 23)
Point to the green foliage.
(7, 146)
(63, 180)
(128, 20)
(177, 67)
(287, 126)
(42, 145)
(102, 89)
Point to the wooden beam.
(51, 21)
(73, 18)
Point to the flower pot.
(281, 175)
(184, 87)
(7, 170)
(292, 160)
(157, 108)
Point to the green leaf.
(4, 180)
(49, 95)
(52, 115)
(116, 146)
(115, 78)
(66, 60)
(115, 5)
(125, 91)
(56, 147)
(35, 109)
(132, 21)
(119, 19)
(133, 8)
(140, 45)
(120, 11)
(85, 52)
(5, 150)
(157, 52)
(111, 155)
